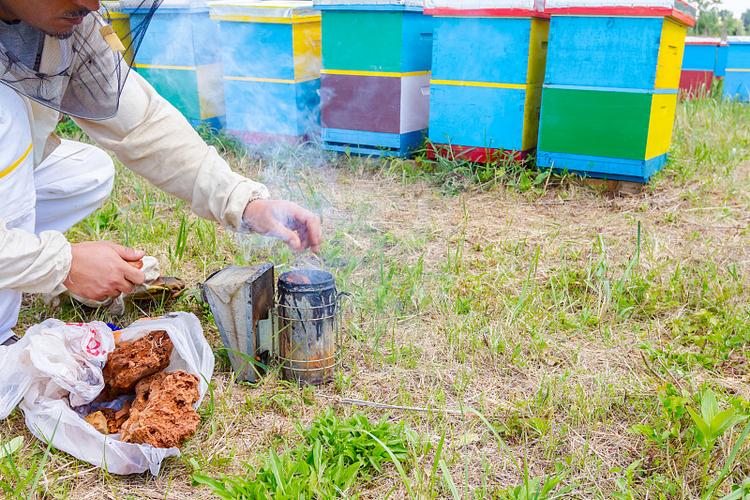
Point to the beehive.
(610, 91)
(375, 77)
(120, 22)
(737, 79)
(271, 57)
(179, 56)
(699, 64)
(487, 74)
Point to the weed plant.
(332, 457)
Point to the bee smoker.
(295, 325)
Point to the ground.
(549, 332)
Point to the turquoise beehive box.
(179, 56)
(375, 79)
(271, 58)
(737, 77)
(610, 91)
(487, 73)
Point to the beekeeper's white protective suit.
(47, 185)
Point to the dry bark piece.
(133, 361)
(115, 418)
(99, 421)
(162, 414)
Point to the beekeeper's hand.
(287, 221)
(102, 269)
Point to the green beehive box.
(368, 37)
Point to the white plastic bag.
(55, 365)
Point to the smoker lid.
(306, 280)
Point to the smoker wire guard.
(337, 356)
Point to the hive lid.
(680, 10)
(270, 9)
(738, 40)
(410, 5)
(496, 8)
(702, 40)
(133, 5)
(113, 9)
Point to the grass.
(537, 338)
(333, 456)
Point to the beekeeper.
(57, 56)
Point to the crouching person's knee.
(103, 172)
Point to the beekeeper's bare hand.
(102, 269)
(297, 227)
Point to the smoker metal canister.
(307, 326)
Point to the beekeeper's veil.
(82, 75)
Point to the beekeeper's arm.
(153, 139)
(150, 137)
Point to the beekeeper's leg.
(17, 193)
(71, 184)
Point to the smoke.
(297, 173)
(278, 121)
(246, 69)
(271, 81)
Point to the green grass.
(331, 458)
(604, 342)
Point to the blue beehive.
(271, 57)
(610, 90)
(179, 56)
(375, 77)
(487, 74)
(699, 64)
(737, 79)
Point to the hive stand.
(487, 72)
(271, 57)
(375, 77)
(179, 56)
(737, 79)
(610, 91)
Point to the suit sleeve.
(149, 136)
(33, 263)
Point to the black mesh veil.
(82, 75)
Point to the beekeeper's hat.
(82, 75)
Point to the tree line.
(713, 21)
